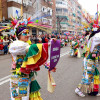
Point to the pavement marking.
(64, 54)
(7, 78)
(5, 81)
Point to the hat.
(92, 27)
(19, 26)
(19, 30)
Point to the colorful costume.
(90, 78)
(26, 62)
(66, 41)
(62, 43)
(74, 48)
(30, 62)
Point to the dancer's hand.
(54, 39)
(54, 70)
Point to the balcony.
(79, 7)
(61, 14)
(73, 20)
(65, 17)
(61, 4)
(74, 14)
(79, 12)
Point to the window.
(57, 2)
(59, 10)
(65, 10)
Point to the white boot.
(98, 94)
(78, 92)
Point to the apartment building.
(45, 12)
(68, 13)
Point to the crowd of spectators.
(33, 39)
(4, 42)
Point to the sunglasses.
(25, 32)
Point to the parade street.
(67, 77)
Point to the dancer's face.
(24, 36)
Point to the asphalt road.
(67, 77)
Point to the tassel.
(51, 83)
(92, 86)
(79, 55)
(81, 87)
(85, 88)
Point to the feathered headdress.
(19, 24)
(92, 26)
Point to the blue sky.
(90, 5)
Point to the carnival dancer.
(62, 43)
(74, 48)
(90, 78)
(66, 42)
(26, 62)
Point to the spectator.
(5, 43)
(10, 39)
(36, 40)
(32, 39)
(46, 38)
(43, 39)
(58, 37)
(52, 36)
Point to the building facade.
(68, 13)
(43, 10)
